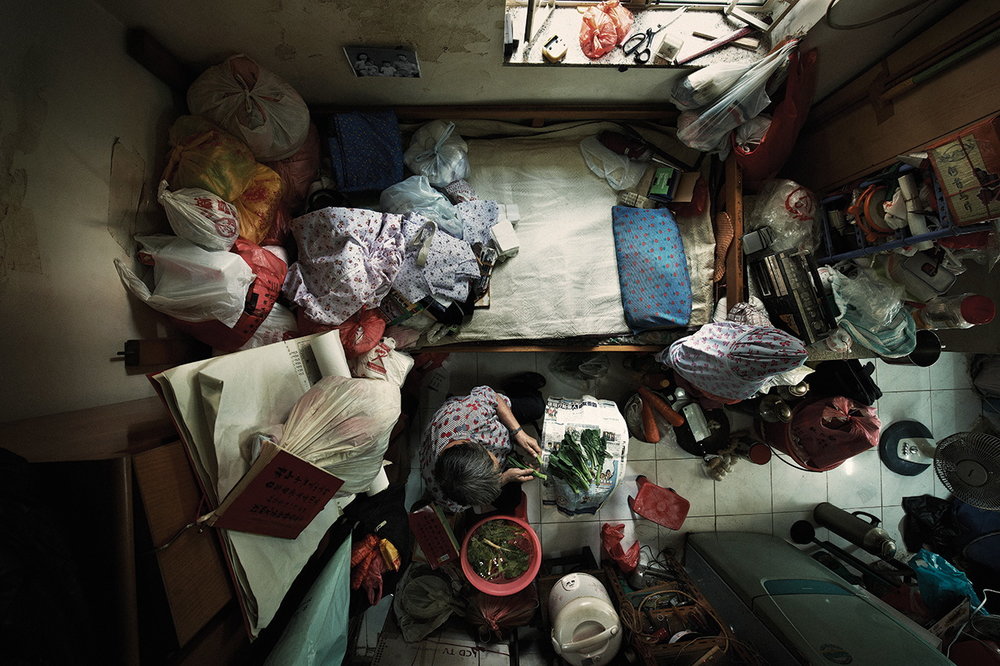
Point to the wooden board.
(194, 574)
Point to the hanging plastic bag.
(342, 425)
(190, 282)
(703, 86)
(437, 152)
(581, 370)
(199, 216)
(789, 210)
(253, 104)
(415, 195)
(745, 100)
(605, 26)
(620, 171)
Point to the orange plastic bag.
(605, 26)
(258, 206)
(206, 157)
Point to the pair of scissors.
(640, 44)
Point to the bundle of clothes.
(263, 246)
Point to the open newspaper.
(217, 404)
(572, 416)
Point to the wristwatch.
(516, 430)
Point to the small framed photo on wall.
(380, 61)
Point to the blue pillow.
(652, 268)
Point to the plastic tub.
(511, 586)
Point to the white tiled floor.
(766, 498)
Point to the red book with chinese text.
(278, 496)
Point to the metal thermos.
(864, 533)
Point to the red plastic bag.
(605, 26)
(270, 272)
(611, 547)
(496, 615)
(764, 161)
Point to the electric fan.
(968, 463)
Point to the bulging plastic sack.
(789, 210)
(415, 195)
(258, 207)
(190, 282)
(704, 86)
(204, 156)
(437, 152)
(603, 27)
(342, 425)
(253, 104)
(743, 101)
(620, 171)
(383, 362)
(200, 217)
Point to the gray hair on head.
(467, 474)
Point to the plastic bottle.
(960, 311)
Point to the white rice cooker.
(586, 629)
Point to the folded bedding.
(652, 268)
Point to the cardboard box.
(967, 169)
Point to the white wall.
(67, 91)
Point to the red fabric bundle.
(764, 161)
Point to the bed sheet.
(564, 281)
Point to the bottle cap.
(759, 454)
(978, 309)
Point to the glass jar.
(960, 311)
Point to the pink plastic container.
(511, 586)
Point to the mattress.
(563, 283)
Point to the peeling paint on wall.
(23, 109)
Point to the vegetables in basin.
(499, 551)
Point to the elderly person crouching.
(465, 448)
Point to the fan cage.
(979, 448)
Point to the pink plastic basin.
(512, 586)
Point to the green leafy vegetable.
(578, 460)
(514, 461)
(499, 549)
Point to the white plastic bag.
(190, 282)
(415, 195)
(790, 211)
(253, 104)
(342, 425)
(436, 152)
(200, 216)
(620, 171)
(704, 86)
(383, 362)
(279, 325)
(743, 101)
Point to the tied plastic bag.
(790, 211)
(709, 132)
(620, 171)
(383, 362)
(438, 153)
(258, 206)
(604, 27)
(200, 217)
(872, 312)
(495, 616)
(253, 104)
(342, 425)
(415, 195)
(190, 282)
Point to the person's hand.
(528, 443)
(516, 474)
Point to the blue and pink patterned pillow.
(652, 268)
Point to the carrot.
(660, 405)
(649, 430)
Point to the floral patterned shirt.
(473, 417)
